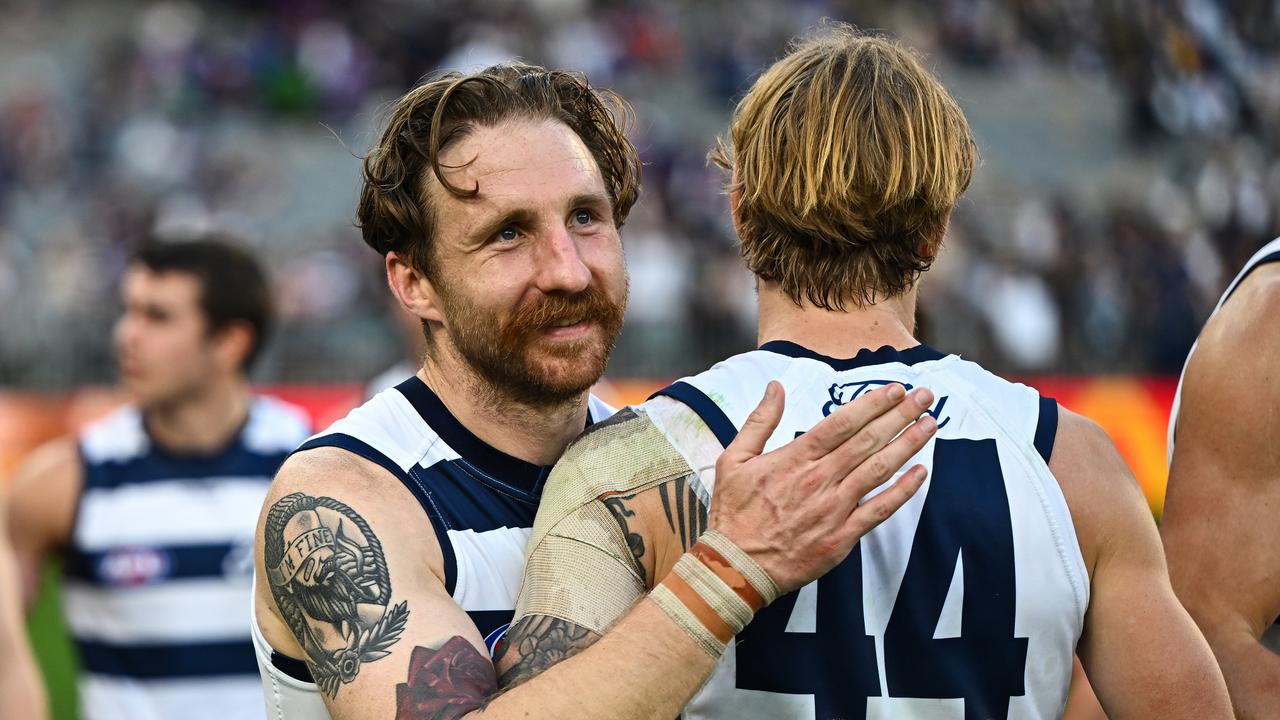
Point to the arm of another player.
(1219, 527)
(1141, 650)
(794, 511)
(42, 506)
(21, 692)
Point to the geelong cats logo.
(845, 393)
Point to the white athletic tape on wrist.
(709, 596)
(743, 563)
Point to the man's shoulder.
(386, 430)
(1245, 328)
(623, 455)
(1101, 491)
(618, 454)
(1230, 384)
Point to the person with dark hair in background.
(391, 546)
(1030, 541)
(151, 509)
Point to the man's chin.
(568, 371)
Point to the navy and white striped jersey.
(159, 567)
(479, 502)
(966, 603)
(1270, 253)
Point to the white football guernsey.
(159, 568)
(967, 603)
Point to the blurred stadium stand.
(1129, 164)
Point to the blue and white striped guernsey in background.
(158, 572)
(479, 502)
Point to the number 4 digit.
(966, 513)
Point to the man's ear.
(415, 292)
(232, 345)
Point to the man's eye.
(582, 217)
(508, 234)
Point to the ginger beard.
(518, 359)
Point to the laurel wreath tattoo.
(329, 578)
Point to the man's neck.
(835, 333)
(535, 434)
(204, 421)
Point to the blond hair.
(848, 157)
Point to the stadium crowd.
(1105, 222)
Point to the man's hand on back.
(795, 510)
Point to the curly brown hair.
(395, 213)
(848, 156)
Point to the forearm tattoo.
(617, 507)
(538, 642)
(446, 683)
(328, 576)
(688, 519)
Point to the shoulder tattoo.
(329, 578)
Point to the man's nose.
(560, 263)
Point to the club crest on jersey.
(134, 566)
(493, 638)
(845, 393)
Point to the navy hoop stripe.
(208, 560)
(705, 408)
(1046, 427)
(154, 662)
(294, 668)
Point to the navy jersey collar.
(864, 358)
(499, 466)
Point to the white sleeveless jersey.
(159, 567)
(967, 603)
(1268, 254)
(478, 501)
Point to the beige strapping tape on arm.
(580, 568)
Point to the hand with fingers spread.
(797, 510)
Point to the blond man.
(1030, 541)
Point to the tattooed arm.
(657, 526)
(351, 581)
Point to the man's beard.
(522, 366)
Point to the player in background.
(21, 694)
(151, 509)
(1219, 523)
(1030, 541)
(391, 546)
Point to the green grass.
(53, 647)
